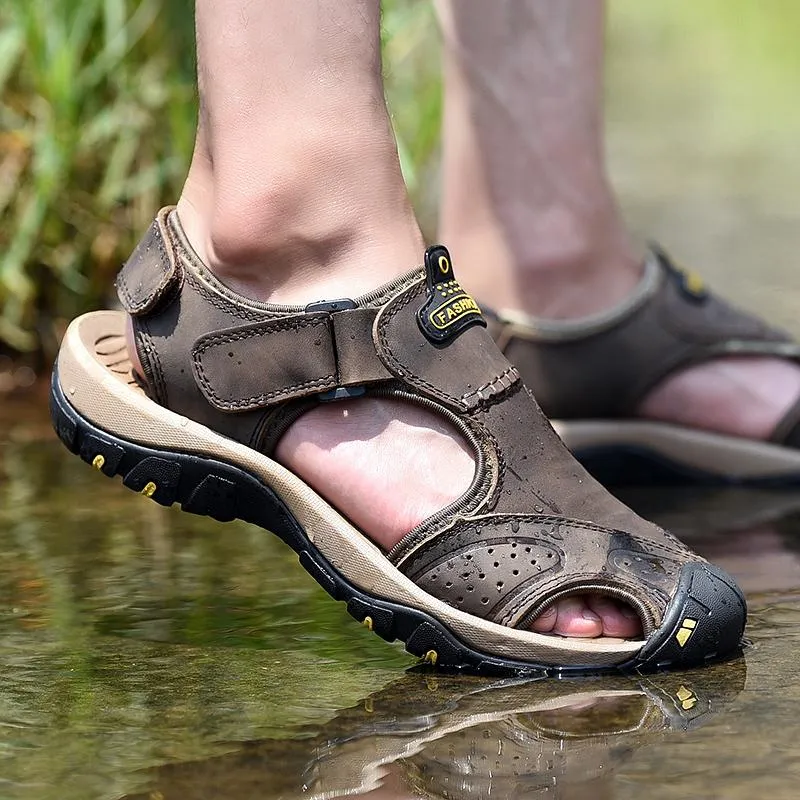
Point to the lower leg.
(524, 187)
(525, 191)
(295, 190)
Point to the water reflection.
(146, 650)
(426, 736)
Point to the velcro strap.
(253, 366)
(151, 274)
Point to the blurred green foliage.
(98, 106)
(97, 122)
(97, 118)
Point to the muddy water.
(149, 654)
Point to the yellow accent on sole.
(149, 489)
(98, 461)
(367, 623)
(431, 657)
(686, 630)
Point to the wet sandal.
(590, 376)
(227, 376)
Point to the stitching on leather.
(510, 372)
(169, 273)
(285, 391)
(160, 387)
(229, 309)
(546, 519)
(226, 337)
(391, 311)
(493, 499)
(553, 582)
(527, 588)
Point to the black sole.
(225, 492)
(632, 465)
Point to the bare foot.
(373, 459)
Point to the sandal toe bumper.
(705, 621)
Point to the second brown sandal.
(590, 376)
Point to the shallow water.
(151, 654)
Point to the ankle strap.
(296, 356)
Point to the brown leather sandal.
(226, 376)
(590, 375)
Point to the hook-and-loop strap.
(254, 366)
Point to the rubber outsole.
(223, 491)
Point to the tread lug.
(156, 478)
(215, 497)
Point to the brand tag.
(449, 309)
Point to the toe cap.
(704, 621)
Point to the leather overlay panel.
(501, 567)
(151, 274)
(253, 366)
(463, 373)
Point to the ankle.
(564, 267)
(302, 226)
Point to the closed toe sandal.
(590, 376)
(225, 377)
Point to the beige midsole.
(728, 456)
(109, 400)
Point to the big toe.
(588, 617)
